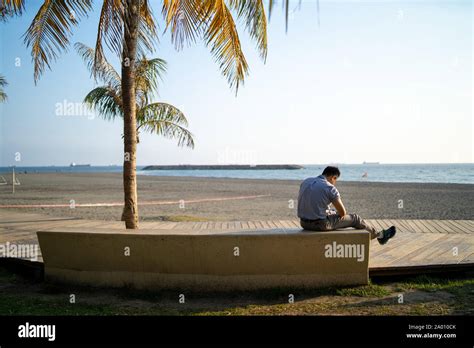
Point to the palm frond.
(106, 101)
(147, 34)
(285, 5)
(270, 8)
(11, 8)
(148, 73)
(253, 13)
(102, 69)
(184, 18)
(3, 83)
(166, 120)
(48, 34)
(111, 26)
(222, 36)
(110, 30)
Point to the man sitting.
(313, 207)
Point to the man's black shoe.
(387, 234)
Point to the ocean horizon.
(459, 173)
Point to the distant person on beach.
(315, 214)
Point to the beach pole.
(13, 181)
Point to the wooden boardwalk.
(420, 245)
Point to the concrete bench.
(205, 260)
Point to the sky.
(386, 81)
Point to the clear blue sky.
(376, 81)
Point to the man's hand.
(339, 207)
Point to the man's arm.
(337, 203)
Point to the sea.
(462, 173)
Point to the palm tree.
(159, 118)
(127, 27)
(3, 83)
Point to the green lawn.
(421, 295)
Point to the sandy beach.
(228, 199)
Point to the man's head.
(331, 174)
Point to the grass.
(423, 295)
(370, 290)
(430, 284)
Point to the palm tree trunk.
(131, 20)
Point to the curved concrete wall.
(242, 260)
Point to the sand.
(370, 200)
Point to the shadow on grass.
(429, 295)
(21, 296)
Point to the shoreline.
(233, 178)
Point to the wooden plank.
(162, 225)
(435, 227)
(427, 252)
(252, 225)
(295, 223)
(370, 222)
(407, 226)
(453, 227)
(468, 259)
(399, 240)
(191, 224)
(467, 250)
(439, 226)
(460, 228)
(116, 224)
(15, 236)
(422, 227)
(429, 227)
(399, 255)
(468, 224)
(204, 225)
(269, 225)
(273, 224)
(37, 225)
(442, 252)
(447, 227)
(187, 225)
(387, 223)
(172, 225)
(282, 225)
(378, 226)
(11, 232)
(414, 226)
